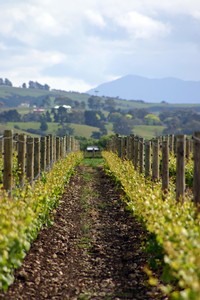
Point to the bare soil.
(93, 250)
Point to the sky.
(75, 45)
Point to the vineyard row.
(25, 158)
(154, 159)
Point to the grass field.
(79, 130)
(147, 131)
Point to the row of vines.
(175, 224)
(27, 209)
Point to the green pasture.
(79, 130)
(147, 131)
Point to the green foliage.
(152, 119)
(189, 170)
(175, 225)
(23, 215)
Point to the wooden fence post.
(43, 153)
(136, 152)
(132, 154)
(61, 147)
(51, 149)
(123, 147)
(196, 180)
(155, 160)
(188, 147)
(64, 146)
(128, 147)
(8, 160)
(165, 166)
(68, 144)
(180, 167)
(141, 154)
(147, 159)
(1, 145)
(22, 159)
(36, 157)
(57, 148)
(171, 143)
(30, 160)
(72, 142)
(54, 149)
(47, 151)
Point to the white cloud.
(88, 42)
(196, 14)
(141, 26)
(95, 18)
(3, 47)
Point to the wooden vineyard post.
(1, 145)
(128, 148)
(51, 149)
(54, 149)
(43, 153)
(188, 147)
(114, 144)
(132, 147)
(196, 180)
(136, 152)
(36, 157)
(61, 147)
(64, 146)
(171, 143)
(155, 160)
(175, 145)
(72, 143)
(123, 147)
(8, 160)
(147, 159)
(119, 146)
(165, 166)
(30, 160)
(47, 151)
(141, 154)
(180, 167)
(68, 144)
(21, 159)
(57, 148)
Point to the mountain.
(132, 87)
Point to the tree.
(62, 114)
(43, 125)
(7, 82)
(94, 103)
(46, 87)
(65, 129)
(48, 116)
(114, 116)
(110, 105)
(96, 135)
(151, 119)
(138, 113)
(46, 101)
(10, 116)
(24, 85)
(92, 118)
(123, 126)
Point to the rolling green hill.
(21, 127)
(13, 96)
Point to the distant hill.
(132, 87)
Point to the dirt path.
(92, 251)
